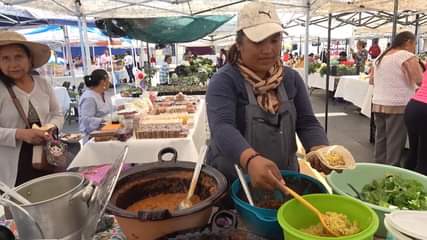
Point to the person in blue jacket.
(256, 106)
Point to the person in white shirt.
(36, 104)
(396, 75)
(129, 66)
(106, 60)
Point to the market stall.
(146, 150)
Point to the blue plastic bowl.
(263, 221)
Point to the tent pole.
(318, 45)
(83, 38)
(307, 36)
(82, 48)
(133, 61)
(112, 66)
(149, 63)
(417, 25)
(141, 56)
(69, 54)
(93, 53)
(328, 66)
(86, 46)
(395, 13)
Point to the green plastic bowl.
(293, 216)
(365, 173)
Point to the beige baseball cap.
(258, 20)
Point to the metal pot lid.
(102, 194)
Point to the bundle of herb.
(394, 190)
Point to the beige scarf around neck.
(265, 90)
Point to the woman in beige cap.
(25, 100)
(255, 105)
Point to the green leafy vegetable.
(394, 190)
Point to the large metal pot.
(63, 205)
(59, 206)
(147, 180)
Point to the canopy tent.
(163, 30)
(10, 16)
(324, 7)
(20, 17)
(148, 8)
(385, 31)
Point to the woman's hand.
(32, 136)
(259, 169)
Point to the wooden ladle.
(322, 217)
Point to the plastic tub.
(393, 234)
(365, 173)
(293, 216)
(263, 221)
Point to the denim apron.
(271, 135)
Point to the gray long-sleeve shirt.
(92, 109)
(226, 99)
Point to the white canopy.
(147, 8)
(155, 8)
(385, 31)
(324, 7)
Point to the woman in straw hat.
(255, 105)
(25, 99)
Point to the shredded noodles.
(337, 222)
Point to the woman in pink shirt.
(415, 120)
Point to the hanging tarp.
(163, 30)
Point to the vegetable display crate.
(364, 174)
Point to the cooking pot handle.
(167, 150)
(154, 215)
(224, 219)
(85, 194)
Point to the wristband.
(250, 159)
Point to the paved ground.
(346, 126)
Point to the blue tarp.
(10, 16)
(76, 51)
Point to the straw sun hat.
(40, 53)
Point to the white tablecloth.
(356, 91)
(146, 150)
(316, 81)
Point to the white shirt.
(44, 101)
(391, 88)
(128, 60)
